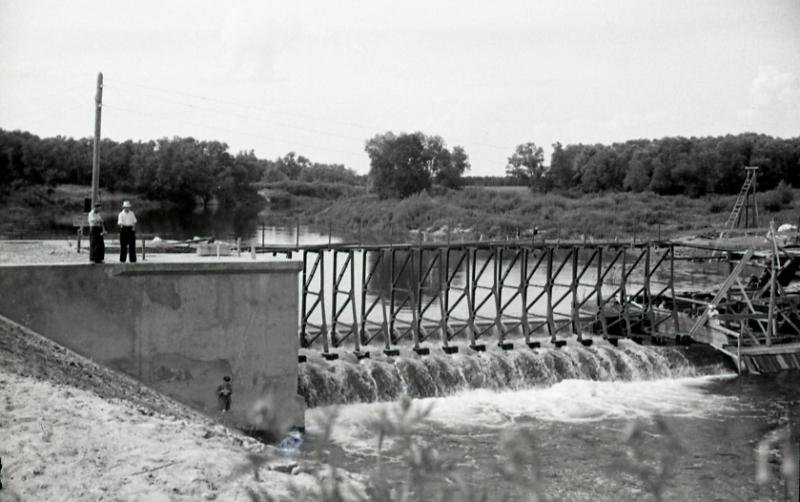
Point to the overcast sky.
(319, 78)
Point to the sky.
(320, 78)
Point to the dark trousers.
(97, 247)
(127, 244)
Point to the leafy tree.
(404, 164)
(451, 175)
(526, 164)
(399, 165)
(562, 166)
(640, 170)
(292, 164)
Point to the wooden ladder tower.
(746, 200)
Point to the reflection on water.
(220, 223)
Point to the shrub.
(718, 205)
(777, 198)
(318, 190)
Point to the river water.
(575, 427)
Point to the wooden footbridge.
(358, 297)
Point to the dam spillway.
(322, 382)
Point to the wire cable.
(232, 131)
(302, 116)
(253, 118)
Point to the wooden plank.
(723, 290)
(786, 348)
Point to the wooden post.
(747, 211)
(623, 295)
(675, 320)
(263, 231)
(739, 348)
(523, 293)
(755, 204)
(335, 299)
(392, 295)
(551, 326)
(324, 326)
(98, 101)
(574, 314)
(599, 291)
(303, 305)
(648, 294)
(80, 234)
(771, 312)
(472, 263)
(144, 250)
(352, 295)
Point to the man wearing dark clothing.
(224, 392)
(97, 247)
(127, 233)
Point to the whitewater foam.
(386, 379)
(569, 401)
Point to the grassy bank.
(36, 209)
(474, 212)
(499, 213)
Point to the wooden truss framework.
(753, 314)
(499, 286)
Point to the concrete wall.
(178, 327)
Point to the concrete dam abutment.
(176, 327)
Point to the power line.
(301, 116)
(232, 131)
(43, 107)
(254, 118)
(246, 105)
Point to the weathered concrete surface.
(177, 327)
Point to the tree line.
(182, 170)
(667, 166)
(187, 170)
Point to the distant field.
(505, 189)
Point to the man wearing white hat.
(127, 233)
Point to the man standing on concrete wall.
(127, 233)
(97, 248)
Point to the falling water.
(383, 379)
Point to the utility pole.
(98, 103)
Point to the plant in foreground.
(786, 441)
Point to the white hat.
(126, 204)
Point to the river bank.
(439, 214)
(39, 210)
(73, 430)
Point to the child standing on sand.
(224, 392)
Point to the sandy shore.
(71, 429)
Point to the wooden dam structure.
(483, 292)
(359, 298)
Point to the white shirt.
(126, 219)
(94, 219)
